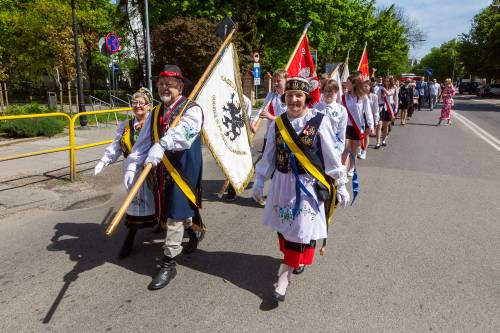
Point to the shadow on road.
(255, 273)
(87, 246)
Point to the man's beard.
(166, 99)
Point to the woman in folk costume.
(360, 121)
(141, 211)
(305, 168)
(447, 96)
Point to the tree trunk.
(69, 97)
(136, 43)
(1, 98)
(6, 94)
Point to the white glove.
(343, 196)
(258, 191)
(128, 179)
(155, 154)
(98, 168)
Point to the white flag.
(225, 127)
(345, 72)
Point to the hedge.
(27, 128)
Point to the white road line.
(487, 137)
(483, 101)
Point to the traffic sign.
(112, 43)
(428, 71)
(256, 74)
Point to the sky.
(441, 20)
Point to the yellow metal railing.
(71, 124)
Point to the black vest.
(308, 137)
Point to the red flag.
(363, 66)
(302, 65)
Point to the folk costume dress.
(294, 208)
(178, 177)
(141, 211)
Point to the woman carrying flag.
(141, 212)
(304, 168)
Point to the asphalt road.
(418, 252)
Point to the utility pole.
(148, 47)
(79, 79)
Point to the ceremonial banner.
(225, 127)
(302, 65)
(345, 71)
(363, 66)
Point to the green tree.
(442, 60)
(479, 49)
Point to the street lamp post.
(79, 80)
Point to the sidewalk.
(41, 164)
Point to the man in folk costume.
(176, 154)
(305, 169)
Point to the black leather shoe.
(166, 273)
(230, 195)
(299, 270)
(277, 296)
(128, 244)
(192, 245)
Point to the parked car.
(495, 89)
(489, 90)
(469, 87)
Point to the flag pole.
(360, 60)
(256, 124)
(304, 32)
(147, 168)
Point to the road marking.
(487, 137)
(483, 101)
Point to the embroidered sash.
(389, 107)
(174, 172)
(308, 161)
(127, 140)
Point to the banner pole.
(304, 33)
(147, 168)
(256, 124)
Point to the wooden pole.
(304, 32)
(128, 200)
(147, 168)
(256, 124)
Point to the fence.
(71, 124)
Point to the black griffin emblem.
(233, 119)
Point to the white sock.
(283, 278)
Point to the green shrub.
(27, 128)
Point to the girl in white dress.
(295, 206)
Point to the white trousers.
(175, 234)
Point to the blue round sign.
(112, 43)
